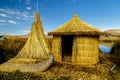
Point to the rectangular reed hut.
(76, 42)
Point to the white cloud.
(24, 15)
(17, 17)
(2, 21)
(21, 32)
(1, 9)
(12, 22)
(107, 27)
(28, 1)
(24, 19)
(9, 11)
(31, 16)
(28, 8)
(19, 0)
(3, 15)
(71, 1)
(25, 31)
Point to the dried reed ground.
(100, 71)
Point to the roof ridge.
(75, 14)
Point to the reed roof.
(75, 26)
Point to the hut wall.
(56, 48)
(85, 50)
(74, 50)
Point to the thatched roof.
(75, 26)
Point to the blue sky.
(16, 16)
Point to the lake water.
(104, 48)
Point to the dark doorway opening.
(67, 43)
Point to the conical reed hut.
(36, 46)
(35, 52)
(76, 41)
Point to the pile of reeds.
(115, 52)
(12, 46)
(67, 58)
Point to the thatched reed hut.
(35, 55)
(76, 41)
(36, 46)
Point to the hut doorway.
(67, 43)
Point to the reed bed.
(12, 46)
(109, 39)
(116, 49)
(65, 71)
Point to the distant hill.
(113, 32)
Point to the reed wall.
(56, 48)
(85, 50)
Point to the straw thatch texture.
(74, 50)
(37, 46)
(85, 41)
(75, 26)
(31, 57)
(56, 48)
(85, 50)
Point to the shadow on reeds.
(116, 52)
(12, 46)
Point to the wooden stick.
(113, 67)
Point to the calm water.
(104, 48)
